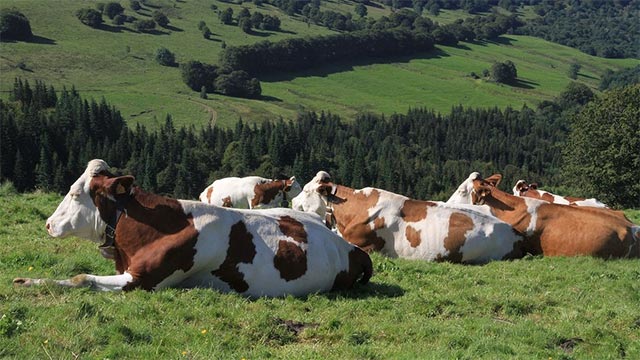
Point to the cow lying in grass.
(160, 242)
(378, 220)
(522, 188)
(552, 229)
(251, 192)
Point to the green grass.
(559, 308)
(119, 66)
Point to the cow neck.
(266, 192)
(108, 246)
(335, 201)
(510, 209)
(149, 217)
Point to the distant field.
(118, 64)
(540, 308)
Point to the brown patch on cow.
(414, 211)
(360, 266)
(241, 250)
(291, 259)
(459, 224)
(293, 228)
(266, 192)
(209, 191)
(351, 211)
(413, 236)
(546, 197)
(226, 202)
(155, 238)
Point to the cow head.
(79, 213)
(292, 187)
(467, 192)
(314, 200)
(520, 187)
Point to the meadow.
(117, 63)
(538, 308)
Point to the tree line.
(48, 136)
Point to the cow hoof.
(22, 282)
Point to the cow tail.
(367, 266)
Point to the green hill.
(118, 63)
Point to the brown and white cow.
(397, 226)
(522, 188)
(552, 229)
(251, 192)
(160, 242)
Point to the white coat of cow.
(160, 242)
(250, 192)
(398, 226)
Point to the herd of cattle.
(222, 242)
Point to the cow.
(551, 229)
(522, 188)
(397, 226)
(159, 242)
(251, 192)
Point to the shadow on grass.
(324, 71)
(115, 29)
(524, 84)
(173, 28)
(370, 290)
(588, 76)
(42, 40)
(501, 40)
(270, 98)
(35, 39)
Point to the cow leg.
(101, 283)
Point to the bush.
(165, 57)
(160, 18)
(14, 25)
(201, 25)
(112, 9)
(89, 17)
(238, 83)
(206, 33)
(144, 25)
(135, 5)
(119, 19)
(196, 75)
(505, 72)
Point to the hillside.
(118, 63)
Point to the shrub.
(160, 18)
(165, 57)
(201, 25)
(196, 75)
(89, 17)
(144, 25)
(112, 9)
(504, 72)
(135, 5)
(238, 83)
(14, 25)
(206, 33)
(119, 19)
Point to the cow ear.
(534, 186)
(119, 186)
(494, 179)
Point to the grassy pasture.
(118, 63)
(542, 308)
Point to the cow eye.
(74, 196)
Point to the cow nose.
(48, 226)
